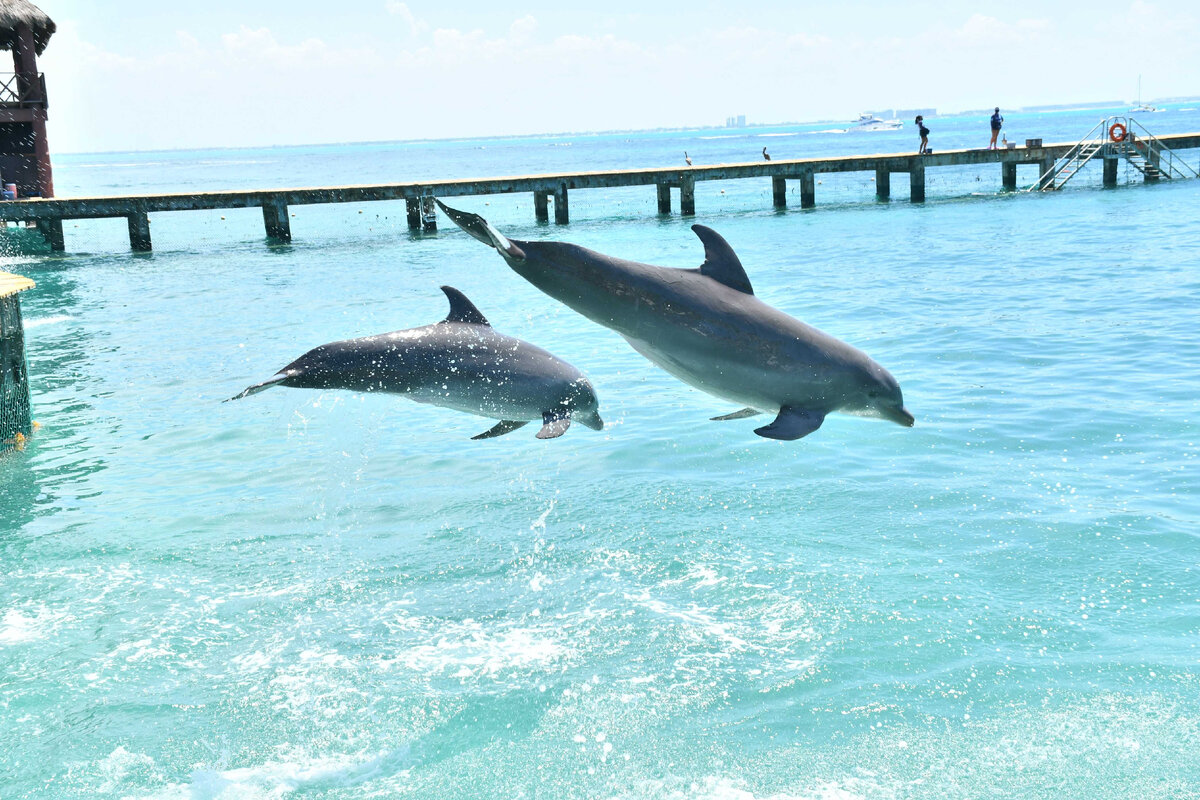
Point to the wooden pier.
(48, 214)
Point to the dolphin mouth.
(591, 420)
(900, 416)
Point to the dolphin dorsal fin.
(720, 262)
(462, 309)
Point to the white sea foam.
(724, 788)
(469, 649)
(695, 617)
(19, 626)
(30, 324)
(293, 771)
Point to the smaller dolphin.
(459, 363)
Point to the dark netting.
(14, 380)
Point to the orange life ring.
(1112, 132)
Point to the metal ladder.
(1145, 153)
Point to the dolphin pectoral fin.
(479, 228)
(500, 428)
(792, 423)
(720, 262)
(258, 387)
(555, 425)
(745, 412)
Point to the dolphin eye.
(872, 394)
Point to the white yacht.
(1141, 108)
(870, 122)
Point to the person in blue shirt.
(997, 122)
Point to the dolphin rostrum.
(459, 363)
(706, 327)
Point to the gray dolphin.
(706, 327)
(459, 363)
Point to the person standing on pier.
(920, 122)
(997, 123)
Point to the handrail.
(1138, 146)
(18, 89)
(1174, 164)
(1046, 180)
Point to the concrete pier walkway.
(49, 214)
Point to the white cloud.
(416, 26)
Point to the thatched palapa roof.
(14, 13)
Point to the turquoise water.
(323, 594)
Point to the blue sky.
(135, 74)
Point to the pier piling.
(15, 421)
(779, 191)
(541, 206)
(808, 189)
(139, 231)
(883, 183)
(1008, 176)
(916, 182)
(275, 219)
(412, 208)
(428, 214)
(1110, 171)
(687, 196)
(562, 215)
(664, 198)
(1044, 169)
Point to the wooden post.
(916, 181)
(1046, 165)
(562, 214)
(687, 196)
(808, 190)
(139, 231)
(275, 220)
(15, 422)
(1110, 172)
(412, 207)
(541, 206)
(1008, 175)
(25, 64)
(664, 198)
(779, 191)
(883, 183)
(52, 232)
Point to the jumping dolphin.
(706, 327)
(459, 363)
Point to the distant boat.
(1142, 108)
(870, 122)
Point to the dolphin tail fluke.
(500, 428)
(792, 423)
(479, 228)
(258, 387)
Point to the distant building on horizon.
(736, 122)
